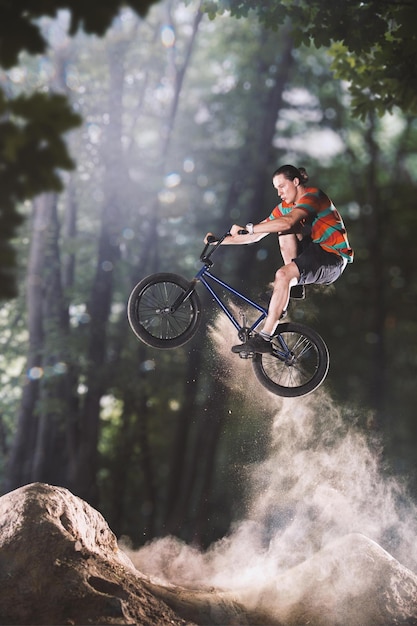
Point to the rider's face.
(287, 189)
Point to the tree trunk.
(177, 73)
(197, 476)
(376, 289)
(84, 480)
(264, 144)
(133, 434)
(178, 475)
(50, 455)
(20, 465)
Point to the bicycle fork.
(284, 354)
(183, 297)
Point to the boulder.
(60, 564)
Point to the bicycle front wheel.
(298, 364)
(151, 314)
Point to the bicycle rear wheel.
(299, 362)
(150, 313)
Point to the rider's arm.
(279, 225)
(237, 239)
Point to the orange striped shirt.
(327, 227)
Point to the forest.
(172, 123)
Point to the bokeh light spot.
(168, 36)
(107, 266)
(35, 373)
(172, 180)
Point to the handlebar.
(215, 243)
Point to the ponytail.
(290, 172)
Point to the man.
(313, 242)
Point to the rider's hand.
(207, 236)
(235, 229)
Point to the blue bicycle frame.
(204, 275)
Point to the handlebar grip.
(211, 239)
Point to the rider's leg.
(289, 247)
(285, 278)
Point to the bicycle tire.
(150, 317)
(303, 372)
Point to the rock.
(61, 564)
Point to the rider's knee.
(284, 277)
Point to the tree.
(373, 44)
(32, 127)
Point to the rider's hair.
(290, 172)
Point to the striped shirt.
(327, 228)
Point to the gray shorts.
(316, 266)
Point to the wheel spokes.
(155, 315)
(294, 363)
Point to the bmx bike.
(164, 311)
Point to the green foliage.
(32, 144)
(376, 43)
(20, 29)
(32, 149)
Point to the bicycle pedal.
(298, 292)
(246, 355)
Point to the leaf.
(371, 43)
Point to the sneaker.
(298, 292)
(256, 344)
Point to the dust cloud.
(321, 481)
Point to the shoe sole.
(250, 353)
(247, 355)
